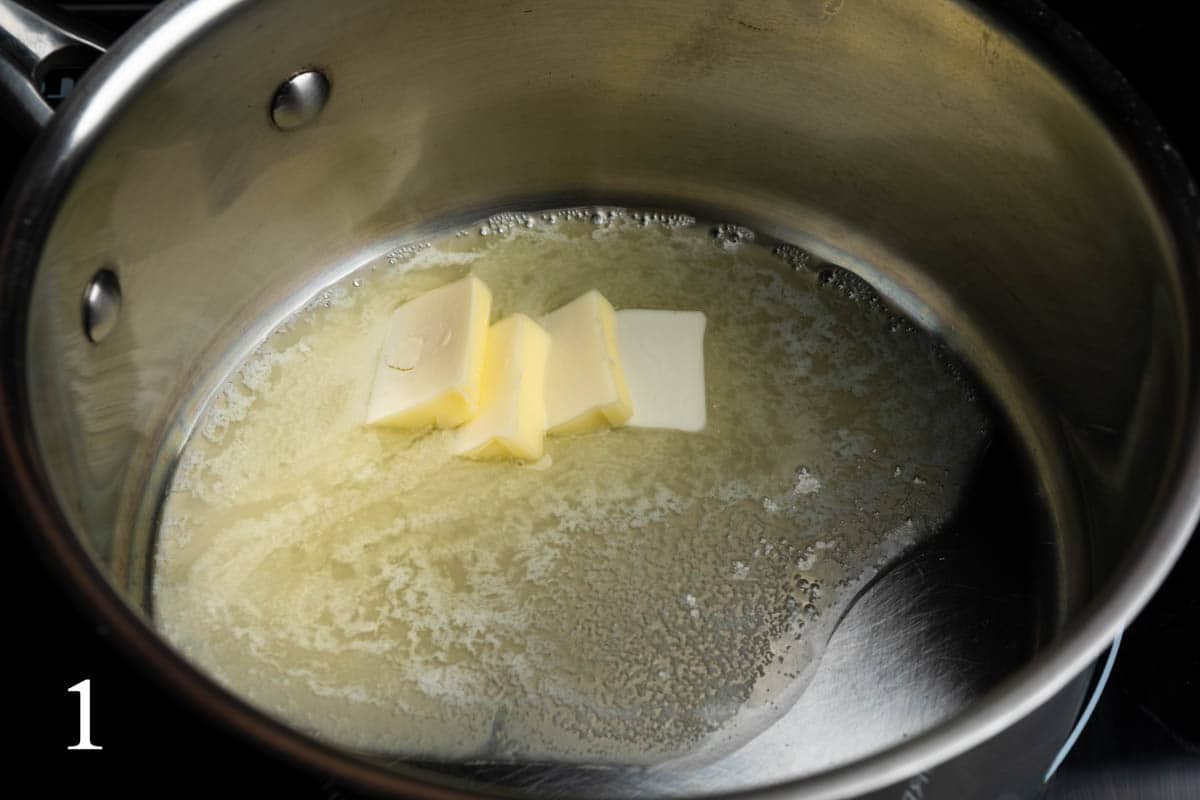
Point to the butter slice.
(662, 353)
(512, 403)
(431, 363)
(585, 384)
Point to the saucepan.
(980, 166)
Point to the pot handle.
(33, 42)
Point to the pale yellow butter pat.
(663, 356)
(431, 364)
(512, 403)
(585, 383)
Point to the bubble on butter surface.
(366, 586)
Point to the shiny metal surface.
(299, 99)
(940, 628)
(930, 150)
(31, 44)
(101, 305)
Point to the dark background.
(1143, 741)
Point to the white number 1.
(84, 688)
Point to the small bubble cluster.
(851, 286)
(501, 224)
(729, 235)
(508, 223)
(667, 220)
(856, 289)
(406, 252)
(796, 258)
(805, 482)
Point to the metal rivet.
(299, 99)
(101, 305)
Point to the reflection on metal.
(927, 638)
(1087, 710)
(101, 305)
(299, 99)
(32, 46)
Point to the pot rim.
(117, 78)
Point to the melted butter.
(636, 596)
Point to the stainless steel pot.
(986, 170)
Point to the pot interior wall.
(926, 149)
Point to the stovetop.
(1142, 741)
